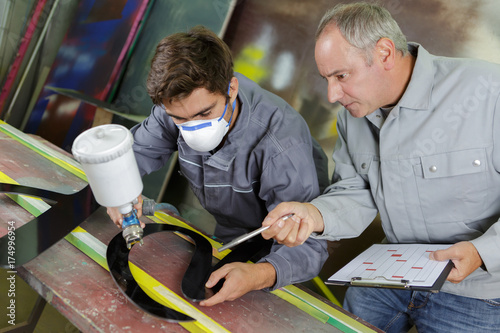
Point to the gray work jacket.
(267, 158)
(431, 168)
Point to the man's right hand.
(295, 230)
(117, 217)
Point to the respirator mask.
(206, 135)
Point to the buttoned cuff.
(328, 228)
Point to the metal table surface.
(84, 292)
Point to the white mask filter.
(206, 135)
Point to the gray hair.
(363, 24)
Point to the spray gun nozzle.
(132, 235)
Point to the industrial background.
(63, 63)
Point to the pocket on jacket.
(452, 186)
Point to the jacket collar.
(419, 91)
(417, 95)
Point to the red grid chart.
(409, 262)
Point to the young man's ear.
(233, 90)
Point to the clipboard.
(399, 266)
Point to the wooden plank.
(63, 272)
(31, 169)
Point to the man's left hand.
(465, 257)
(240, 279)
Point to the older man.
(419, 143)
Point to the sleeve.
(347, 206)
(321, 163)
(297, 264)
(488, 244)
(291, 176)
(155, 139)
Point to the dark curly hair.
(184, 62)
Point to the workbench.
(72, 274)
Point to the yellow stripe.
(34, 206)
(6, 179)
(333, 128)
(325, 290)
(301, 305)
(165, 296)
(79, 229)
(161, 217)
(304, 297)
(53, 156)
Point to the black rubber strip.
(193, 282)
(251, 250)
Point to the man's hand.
(465, 257)
(240, 279)
(117, 218)
(295, 230)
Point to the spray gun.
(106, 155)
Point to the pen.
(249, 235)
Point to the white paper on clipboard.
(395, 265)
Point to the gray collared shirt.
(431, 168)
(268, 157)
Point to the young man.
(419, 142)
(242, 149)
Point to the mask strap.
(234, 105)
(225, 108)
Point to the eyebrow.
(208, 108)
(334, 73)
